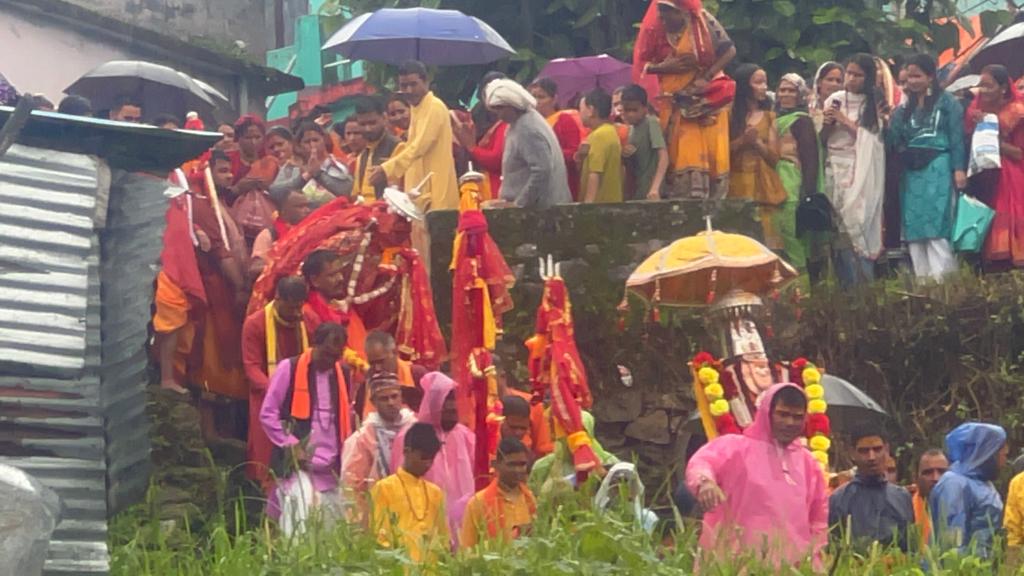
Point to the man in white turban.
(533, 169)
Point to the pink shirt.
(325, 464)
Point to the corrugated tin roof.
(46, 234)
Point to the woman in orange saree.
(698, 137)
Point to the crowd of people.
(867, 156)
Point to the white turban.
(505, 92)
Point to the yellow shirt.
(428, 149)
(604, 157)
(411, 509)
(1013, 513)
(514, 513)
(360, 186)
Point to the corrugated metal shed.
(79, 240)
(46, 234)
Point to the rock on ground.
(29, 512)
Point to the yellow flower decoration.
(714, 391)
(815, 391)
(719, 408)
(820, 443)
(817, 406)
(823, 466)
(708, 375)
(820, 456)
(811, 376)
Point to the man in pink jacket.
(367, 455)
(453, 465)
(762, 491)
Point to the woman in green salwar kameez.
(927, 130)
(799, 167)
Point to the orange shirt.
(922, 517)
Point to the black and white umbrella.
(1004, 48)
(159, 89)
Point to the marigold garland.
(717, 392)
(818, 428)
(718, 389)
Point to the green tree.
(780, 35)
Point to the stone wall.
(598, 247)
(217, 23)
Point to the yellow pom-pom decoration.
(719, 408)
(811, 376)
(817, 406)
(815, 391)
(820, 457)
(820, 443)
(823, 466)
(714, 391)
(708, 375)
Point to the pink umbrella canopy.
(581, 75)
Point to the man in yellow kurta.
(429, 148)
(506, 508)
(407, 510)
(1013, 523)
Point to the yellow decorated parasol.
(692, 270)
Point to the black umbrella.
(848, 408)
(1004, 48)
(159, 89)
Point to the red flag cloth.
(556, 367)
(178, 258)
(475, 256)
(418, 335)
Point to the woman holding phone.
(855, 170)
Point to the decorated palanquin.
(557, 372)
(726, 275)
(387, 283)
(728, 391)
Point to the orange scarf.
(496, 507)
(300, 397)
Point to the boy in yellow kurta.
(407, 510)
(429, 146)
(506, 508)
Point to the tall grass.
(568, 538)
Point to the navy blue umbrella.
(435, 37)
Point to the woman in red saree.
(998, 95)
(252, 173)
(567, 126)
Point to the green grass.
(568, 539)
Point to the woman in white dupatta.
(855, 170)
(611, 490)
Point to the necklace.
(408, 500)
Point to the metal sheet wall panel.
(47, 208)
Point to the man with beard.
(270, 335)
(367, 455)
(381, 144)
(324, 272)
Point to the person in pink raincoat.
(762, 491)
(453, 465)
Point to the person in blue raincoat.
(966, 508)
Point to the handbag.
(814, 214)
(973, 220)
(253, 211)
(719, 93)
(918, 158)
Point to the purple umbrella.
(436, 37)
(581, 75)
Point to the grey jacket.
(533, 169)
(877, 510)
